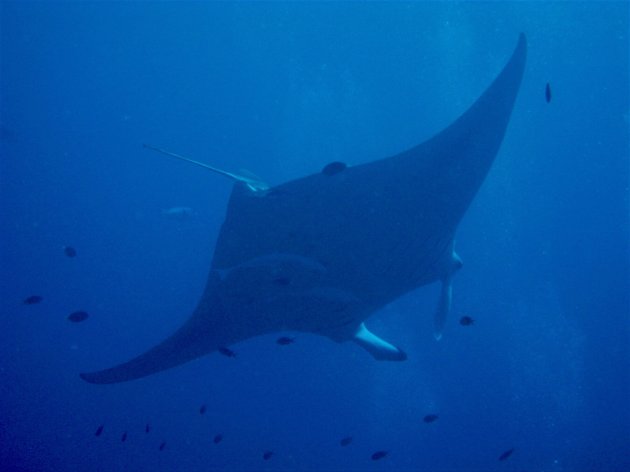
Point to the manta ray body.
(322, 253)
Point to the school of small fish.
(81, 315)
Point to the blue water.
(282, 89)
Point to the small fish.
(466, 321)
(78, 316)
(430, 418)
(227, 352)
(147, 428)
(284, 281)
(70, 251)
(202, 409)
(285, 340)
(99, 430)
(379, 455)
(163, 446)
(506, 454)
(267, 455)
(123, 438)
(548, 92)
(334, 168)
(217, 439)
(345, 441)
(33, 300)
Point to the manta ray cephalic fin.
(446, 294)
(380, 349)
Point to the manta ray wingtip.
(101, 377)
(89, 377)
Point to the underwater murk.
(314, 236)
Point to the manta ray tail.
(252, 181)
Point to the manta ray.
(322, 253)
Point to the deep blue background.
(282, 89)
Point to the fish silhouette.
(548, 93)
(78, 316)
(33, 300)
(506, 454)
(430, 418)
(378, 455)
